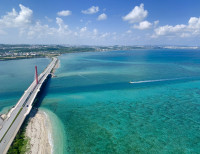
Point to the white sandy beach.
(38, 130)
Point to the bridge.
(16, 116)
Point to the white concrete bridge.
(11, 125)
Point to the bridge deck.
(11, 125)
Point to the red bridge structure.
(36, 75)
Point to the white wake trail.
(159, 80)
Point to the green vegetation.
(12, 52)
(20, 57)
(21, 143)
(44, 49)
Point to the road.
(13, 122)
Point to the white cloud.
(83, 29)
(194, 23)
(44, 31)
(163, 30)
(48, 19)
(128, 31)
(64, 13)
(143, 25)
(15, 19)
(18, 27)
(102, 16)
(91, 10)
(39, 30)
(63, 29)
(138, 14)
(24, 16)
(189, 30)
(104, 35)
(95, 31)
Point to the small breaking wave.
(49, 132)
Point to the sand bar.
(38, 130)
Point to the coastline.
(39, 131)
(57, 134)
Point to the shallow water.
(55, 134)
(94, 108)
(101, 112)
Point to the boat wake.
(159, 80)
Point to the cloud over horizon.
(180, 30)
(20, 25)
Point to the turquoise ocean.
(95, 109)
(15, 77)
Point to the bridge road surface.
(11, 125)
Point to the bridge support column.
(36, 75)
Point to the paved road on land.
(11, 124)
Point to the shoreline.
(39, 131)
(50, 131)
(29, 57)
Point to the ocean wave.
(50, 141)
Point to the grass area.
(21, 143)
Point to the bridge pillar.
(36, 75)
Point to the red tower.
(36, 75)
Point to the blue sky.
(100, 22)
